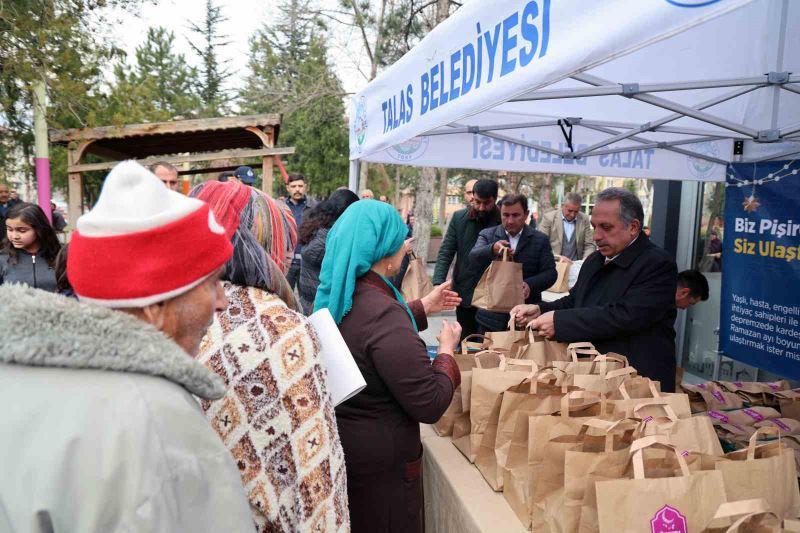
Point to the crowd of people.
(167, 378)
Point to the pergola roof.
(139, 141)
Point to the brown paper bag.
(685, 502)
(744, 417)
(694, 434)
(517, 478)
(475, 343)
(711, 397)
(753, 516)
(765, 471)
(549, 439)
(601, 452)
(543, 351)
(530, 397)
(461, 425)
(562, 282)
(789, 403)
(508, 341)
(416, 283)
(487, 385)
(444, 426)
(500, 286)
(677, 401)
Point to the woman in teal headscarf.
(379, 427)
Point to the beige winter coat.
(100, 432)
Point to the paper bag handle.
(662, 402)
(504, 253)
(484, 338)
(653, 390)
(584, 348)
(625, 371)
(607, 428)
(748, 508)
(661, 441)
(581, 395)
(512, 324)
(751, 445)
(548, 370)
(478, 355)
(505, 362)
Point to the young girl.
(29, 251)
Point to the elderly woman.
(276, 417)
(380, 426)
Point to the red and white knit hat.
(143, 243)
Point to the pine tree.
(290, 74)
(213, 71)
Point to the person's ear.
(155, 314)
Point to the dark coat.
(31, 270)
(379, 427)
(4, 211)
(538, 267)
(461, 235)
(627, 307)
(313, 253)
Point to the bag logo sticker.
(668, 520)
(719, 416)
(755, 415)
(781, 425)
(720, 398)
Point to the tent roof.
(681, 79)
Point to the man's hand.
(525, 313)
(497, 248)
(440, 299)
(563, 259)
(545, 325)
(526, 290)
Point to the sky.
(244, 18)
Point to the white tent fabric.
(630, 88)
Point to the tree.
(63, 44)
(290, 74)
(212, 70)
(158, 87)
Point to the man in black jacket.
(624, 298)
(458, 241)
(527, 246)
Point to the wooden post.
(74, 188)
(267, 137)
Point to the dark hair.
(295, 177)
(573, 198)
(325, 214)
(63, 285)
(32, 215)
(511, 199)
(630, 208)
(485, 188)
(224, 176)
(695, 282)
(168, 166)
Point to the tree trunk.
(544, 194)
(423, 212)
(442, 197)
(397, 185)
(362, 178)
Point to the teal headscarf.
(366, 232)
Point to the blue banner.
(760, 310)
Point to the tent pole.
(791, 88)
(653, 145)
(791, 151)
(678, 108)
(788, 130)
(352, 183)
(669, 118)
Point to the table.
(457, 498)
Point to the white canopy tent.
(660, 89)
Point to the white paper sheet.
(344, 377)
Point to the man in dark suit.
(528, 246)
(461, 235)
(624, 298)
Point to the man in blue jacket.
(527, 245)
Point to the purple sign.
(774, 386)
(668, 520)
(702, 385)
(718, 395)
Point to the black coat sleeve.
(643, 305)
(481, 254)
(546, 273)
(447, 252)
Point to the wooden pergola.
(220, 141)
